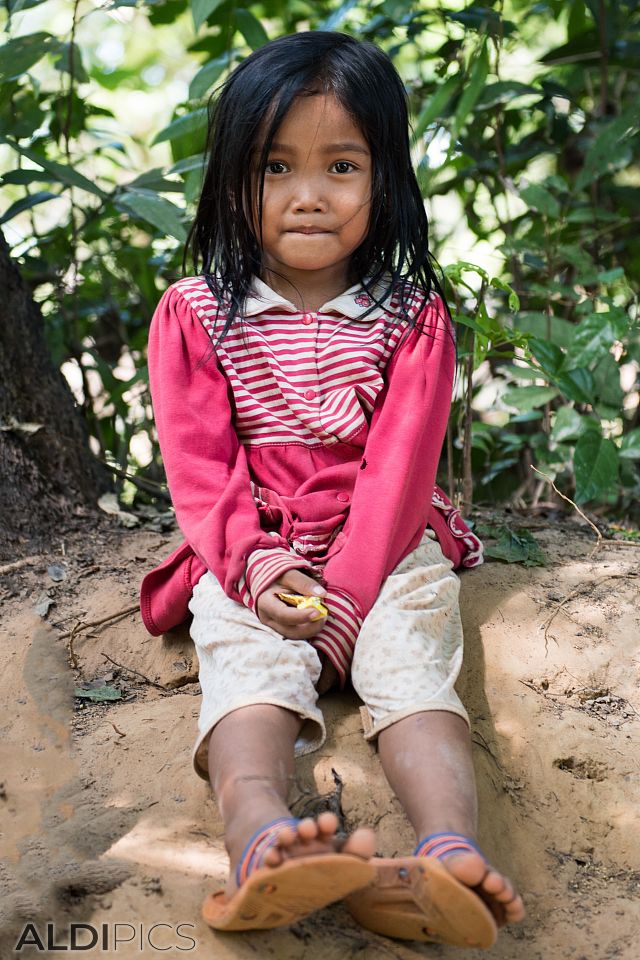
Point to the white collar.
(352, 303)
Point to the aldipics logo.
(79, 937)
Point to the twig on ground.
(583, 588)
(577, 508)
(119, 732)
(10, 567)
(122, 666)
(79, 627)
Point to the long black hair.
(244, 115)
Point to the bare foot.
(496, 890)
(310, 837)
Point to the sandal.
(416, 898)
(269, 897)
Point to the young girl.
(301, 385)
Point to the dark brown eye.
(343, 166)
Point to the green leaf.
(20, 54)
(336, 18)
(251, 29)
(630, 446)
(188, 123)
(65, 65)
(517, 547)
(435, 106)
(24, 177)
(541, 200)
(595, 464)
(158, 211)
(578, 385)
(98, 694)
(503, 92)
(472, 88)
(549, 356)
(606, 154)
(189, 163)
(608, 276)
(555, 329)
(202, 9)
(513, 298)
(59, 171)
(525, 399)
(207, 76)
(593, 338)
(26, 203)
(568, 424)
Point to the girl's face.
(317, 192)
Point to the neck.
(307, 289)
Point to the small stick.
(97, 623)
(576, 507)
(577, 592)
(119, 732)
(131, 670)
(10, 567)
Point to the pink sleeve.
(391, 501)
(205, 462)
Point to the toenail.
(248, 916)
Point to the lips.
(308, 231)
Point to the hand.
(290, 622)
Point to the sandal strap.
(443, 845)
(260, 842)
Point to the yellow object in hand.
(302, 602)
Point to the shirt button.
(309, 394)
(343, 497)
(307, 319)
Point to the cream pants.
(406, 660)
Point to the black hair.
(244, 115)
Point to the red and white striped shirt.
(302, 440)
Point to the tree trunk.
(46, 474)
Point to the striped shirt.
(266, 435)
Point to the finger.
(275, 608)
(305, 632)
(294, 581)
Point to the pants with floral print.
(406, 660)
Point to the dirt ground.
(103, 822)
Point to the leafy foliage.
(526, 139)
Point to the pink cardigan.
(234, 499)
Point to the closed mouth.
(308, 230)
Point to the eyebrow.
(346, 146)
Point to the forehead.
(318, 121)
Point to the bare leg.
(251, 767)
(427, 760)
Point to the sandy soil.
(103, 822)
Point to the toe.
(514, 910)
(308, 829)
(361, 843)
(495, 884)
(327, 825)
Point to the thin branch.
(576, 507)
(80, 627)
(131, 670)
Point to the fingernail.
(316, 616)
(319, 591)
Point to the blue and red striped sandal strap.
(443, 845)
(260, 842)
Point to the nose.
(308, 196)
